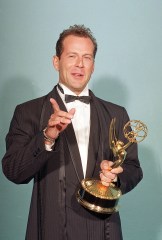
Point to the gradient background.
(128, 72)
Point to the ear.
(93, 68)
(56, 62)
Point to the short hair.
(75, 30)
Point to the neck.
(76, 92)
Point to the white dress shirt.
(80, 121)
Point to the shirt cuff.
(48, 147)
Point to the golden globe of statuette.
(93, 195)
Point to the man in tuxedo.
(57, 140)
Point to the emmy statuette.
(93, 195)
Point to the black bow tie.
(71, 98)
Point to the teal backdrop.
(128, 72)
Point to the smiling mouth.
(77, 74)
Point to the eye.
(71, 56)
(88, 58)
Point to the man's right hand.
(58, 121)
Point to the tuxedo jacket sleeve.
(132, 172)
(26, 153)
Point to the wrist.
(48, 140)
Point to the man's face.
(76, 63)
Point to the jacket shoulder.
(111, 106)
(37, 102)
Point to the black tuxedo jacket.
(54, 211)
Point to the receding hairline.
(78, 31)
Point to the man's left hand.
(109, 174)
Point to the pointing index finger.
(55, 105)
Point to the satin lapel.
(99, 137)
(74, 151)
(72, 143)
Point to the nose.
(79, 62)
